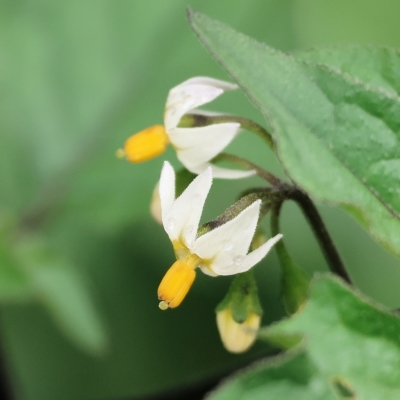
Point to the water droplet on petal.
(196, 201)
(228, 246)
(170, 224)
(238, 260)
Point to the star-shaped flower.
(221, 251)
(195, 146)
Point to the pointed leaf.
(350, 348)
(337, 137)
(378, 67)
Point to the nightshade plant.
(333, 120)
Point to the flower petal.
(252, 258)
(181, 102)
(191, 94)
(224, 173)
(166, 190)
(207, 271)
(226, 246)
(182, 220)
(195, 146)
(206, 81)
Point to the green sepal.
(294, 281)
(231, 212)
(194, 120)
(242, 297)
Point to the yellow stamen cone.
(175, 285)
(146, 144)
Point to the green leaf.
(350, 348)
(337, 136)
(378, 67)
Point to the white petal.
(196, 146)
(206, 113)
(207, 271)
(252, 258)
(183, 99)
(191, 94)
(166, 190)
(224, 173)
(206, 81)
(183, 218)
(229, 243)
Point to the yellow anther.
(175, 284)
(145, 145)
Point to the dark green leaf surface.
(349, 344)
(292, 376)
(377, 67)
(337, 136)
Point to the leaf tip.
(190, 15)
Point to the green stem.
(294, 281)
(247, 124)
(325, 241)
(280, 247)
(262, 173)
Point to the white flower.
(197, 146)
(221, 251)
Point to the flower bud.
(155, 205)
(239, 314)
(237, 338)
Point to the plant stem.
(295, 282)
(275, 229)
(325, 241)
(249, 125)
(262, 173)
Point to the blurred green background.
(80, 256)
